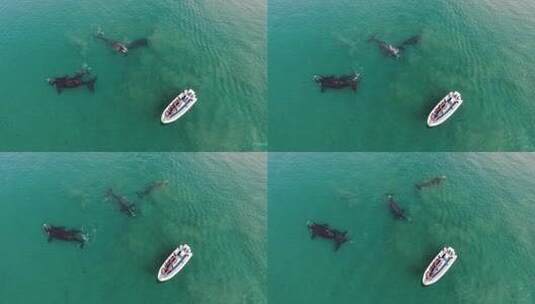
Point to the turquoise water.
(214, 202)
(484, 49)
(485, 210)
(215, 47)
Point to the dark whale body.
(396, 210)
(124, 205)
(70, 82)
(63, 234)
(337, 82)
(325, 232)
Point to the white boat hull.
(448, 257)
(178, 107)
(174, 263)
(433, 121)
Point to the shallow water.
(214, 202)
(484, 210)
(483, 49)
(215, 47)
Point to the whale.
(138, 43)
(63, 234)
(121, 47)
(396, 210)
(337, 82)
(124, 205)
(386, 48)
(395, 51)
(435, 181)
(70, 82)
(411, 40)
(325, 232)
(151, 188)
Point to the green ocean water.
(485, 210)
(483, 49)
(214, 202)
(215, 47)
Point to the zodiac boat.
(439, 266)
(444, 109)
(179, 106)
(174, 263)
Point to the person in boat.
(169, 265)
(173, 109)
(176, 105)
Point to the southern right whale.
(63, 234)
(337, 82)
(391, 50)
(124, 205)
(324, 231)
(69, 82)
(396, 210)
(435, 181)
(120, 47)
(151, 187)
